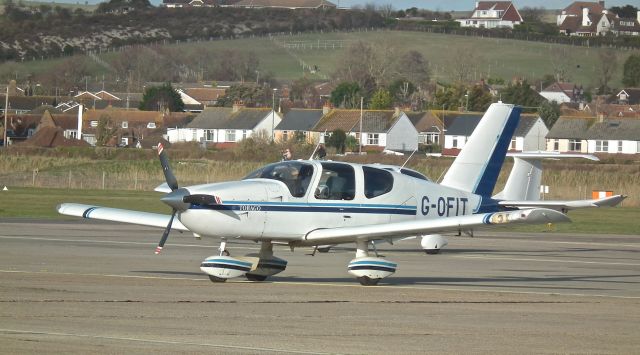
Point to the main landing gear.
(369, 270)
(255, 267)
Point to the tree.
(479, 99)
(608, 65)
(532, 14)
(337, 140)
(522, 94)
(549, 112)
(304, 90)
(401, 91)
(346, 95)
(631, 71)
(626, 11)
(104, 131)
(250, 95)
(381, 100)
(413, 66)
(160, 98)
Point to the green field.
(41, 203)
(496, 58)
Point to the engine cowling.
(432, 243)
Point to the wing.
(119, 215)
(566, 205)
(427, 226)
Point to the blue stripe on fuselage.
(309, 207)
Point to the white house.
(493, 14)
(381, 129)
(562, 93)
(591, 135)
(225, 126)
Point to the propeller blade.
(166, 169)
(165, 235)
(202, 200)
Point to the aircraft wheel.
(367, 281)
(432, 251)
(216, 279)
(254, 277)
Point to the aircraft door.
(333, 197)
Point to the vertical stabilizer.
(477, 166)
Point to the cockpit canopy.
(296, 175)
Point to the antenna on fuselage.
(409, 158)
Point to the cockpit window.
(337, 182)
(296, 175)
(376, 182)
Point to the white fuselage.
(266, 208)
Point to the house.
(583, 18)
(224, 126)
(626, 26)
(55, 130)
(493, 14)
(529, 135)
(129, 126)
(381, 129)
(629, 96)
(430, 127)
(24, 104)
(595, 135)
(563, 92)
(299, 123)
(205, 96)
(197, 3)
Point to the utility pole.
(6, 113)
(273, 114)
(361, 116)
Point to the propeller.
(173, 185)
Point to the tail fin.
(523, 183)
(477, 166)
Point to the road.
(87, 286)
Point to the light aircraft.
(318, 203)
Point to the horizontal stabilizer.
(118, 215)
(566, 205)
(428, 226)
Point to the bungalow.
(493, 14)
(225, 126)
(529, 134)
(429, 126)
(629, 96)
(563, 92)
(381, 129)
(595, 135)
(285, 4)
(299, 123)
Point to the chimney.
(79, 122)
(585, 17)
(237, 106)
(326, 108)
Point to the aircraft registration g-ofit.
(318, 203)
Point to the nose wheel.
(367, 281)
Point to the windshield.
(296, 175)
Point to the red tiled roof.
(576, 8)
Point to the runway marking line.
(540, 260)
(154, 341)
(307, 283)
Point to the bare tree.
(532, 14)
(462, 65)
(608, 65)
(386, 10)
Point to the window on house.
(454, 143)
(602, 146)
(151, 125)
(94, 123)
(433, 138)
(575, 145)
(285, 136)
(619, 146)
(230, 135)
(245, 134)
(124, 141)
(209, 135)
(125, 124)
(71, 134)
(372, 138)
(556, 145)
(512, 146)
